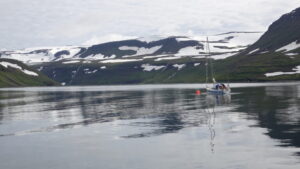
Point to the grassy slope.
(253, 67)
(242, 68)
(124, 73)
(10, 77)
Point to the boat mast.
(208, 57)
(206, 64)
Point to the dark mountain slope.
(282, 32)
(167, 46)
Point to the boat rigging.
(217, 88)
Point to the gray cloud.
(26, 23)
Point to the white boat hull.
(218, 91)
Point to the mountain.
(41, 54)
(238, 56)
(282, 36)
(15, 73)
(222, 46)
(274, 56)
(144, 60)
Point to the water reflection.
(159, 112)
(274, 108)
(212, 101)
(69, 109)
(217, 100)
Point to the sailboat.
(216, 88)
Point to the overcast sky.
(29, 23)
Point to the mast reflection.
(212, 101)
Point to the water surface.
(150, 126)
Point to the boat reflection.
(213, 100)
(217, 100)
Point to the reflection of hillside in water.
(167, 111)
(154, 112)
(275, 108)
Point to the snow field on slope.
(140, 51)
(289, 47)
(148, 67)
(296, 71)
(15, 66)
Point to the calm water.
(150, 126)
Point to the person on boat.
(223, 86)
(217, 86)
(220, 86)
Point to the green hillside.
(235, 69)
(13, 77)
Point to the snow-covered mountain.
(252, 56)
(158, 49)
(42, 54)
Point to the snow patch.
(296, 71)
(103, 67)
(263, 52)
(148, 67)
(41, 54)
(196, 64)
(231, 39)
(95, 57)
(70, 62)
(255, 50)
(168, 58)
(87, 71)
(179, 66)
(87, 61)
(202, 56)
(188, 51)
(128, 48)
(182, 39)
(120, 60)
(99, 57)
(289, 47)
(15, 66)
(141, 51)
(28, 58)
(41, 68)
(29, 72)
(147, 51)
(72, 50)
(291, 54)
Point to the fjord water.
(150, 126)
